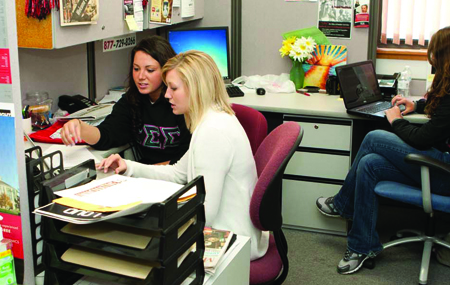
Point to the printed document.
(118, 190)
(187, 8)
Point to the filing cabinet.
(317, 168)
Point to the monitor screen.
(213, 41)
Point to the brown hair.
(439, 58)
(161, 50)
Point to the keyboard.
(234, 91)
(375, 108)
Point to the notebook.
(360, 90)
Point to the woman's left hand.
(393, 113)
(113, 162)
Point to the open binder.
(171, 234)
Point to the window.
(410, 23)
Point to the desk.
(320, 164)
(319, 105)
(234, 268)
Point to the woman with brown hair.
(142, 117)
(381, 157)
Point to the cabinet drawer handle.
(316, 127)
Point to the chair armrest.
(424, 160)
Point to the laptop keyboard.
(372, 109)
(234, 91)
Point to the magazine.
(78, 12)
(161, 11)
(216, 243)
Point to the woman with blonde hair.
(219, 148)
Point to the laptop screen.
(359, 84)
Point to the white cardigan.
(220, 151)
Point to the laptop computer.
(360, 90)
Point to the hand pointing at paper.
(113, 162)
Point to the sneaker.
(326, 207)
(351, 262)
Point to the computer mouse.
(260, 91)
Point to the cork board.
(32, 33)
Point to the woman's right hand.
(399, 100)
(71, 132)
(113, 162)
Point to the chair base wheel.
(369, 263)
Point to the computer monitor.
(210, 40)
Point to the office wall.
(112, 67)
(61, 71)
(263, 23)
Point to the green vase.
(297, 74)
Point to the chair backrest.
(254, 124)
(271, 159)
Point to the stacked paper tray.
(157, 246)
(159, 239)
(66, 264)
(38, 169)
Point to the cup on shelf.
(26, 126)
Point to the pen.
(303, 92)
(25, 112)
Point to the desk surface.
(321, 105)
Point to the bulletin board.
(31, 32)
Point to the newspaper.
(91, 113)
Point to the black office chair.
(421, 198)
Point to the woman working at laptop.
(381, 157)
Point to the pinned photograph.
(362, 15)
(161, 11)
(78, 12)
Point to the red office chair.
(271, 159)
(254, 124)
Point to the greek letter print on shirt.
(160, 137)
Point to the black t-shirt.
(434, 133)
(163, 136)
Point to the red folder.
(45, 135)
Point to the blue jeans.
(379, 158)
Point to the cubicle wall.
(263, 23)
(64, 70)
(59, 71)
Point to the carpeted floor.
(313, 257)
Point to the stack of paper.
(128, 266)
(107, 198)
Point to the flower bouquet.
(299, 46)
